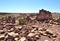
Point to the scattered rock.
(23, 39)
(33, 30)
(16, 39)
(31, 34)
(1, 36)
(10, 38)
(13, 34)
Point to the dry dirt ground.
(35, 31)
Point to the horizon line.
(22, 12)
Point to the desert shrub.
(22, 21)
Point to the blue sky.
(25, 6)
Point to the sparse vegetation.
(22, 21)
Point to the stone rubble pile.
(37, 30)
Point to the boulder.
(23, 39)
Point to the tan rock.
(22, 39)
(18, 27)
(5, 29)
(13, 34)
(11, 29)
(1, 36)
(16, 39)
(6, 36)
(31, 34)
(36, 36)
(49, 30)
(46, 40)
(1, 30)
(33, 30)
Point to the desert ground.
(25, 27)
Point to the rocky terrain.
(42, 27)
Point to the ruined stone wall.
(44, 15)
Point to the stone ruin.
(10, 19)
(7, 19)
(58, 21)
(28, 18)
(44, 15)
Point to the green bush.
(22, 21)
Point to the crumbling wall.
(44, 15)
